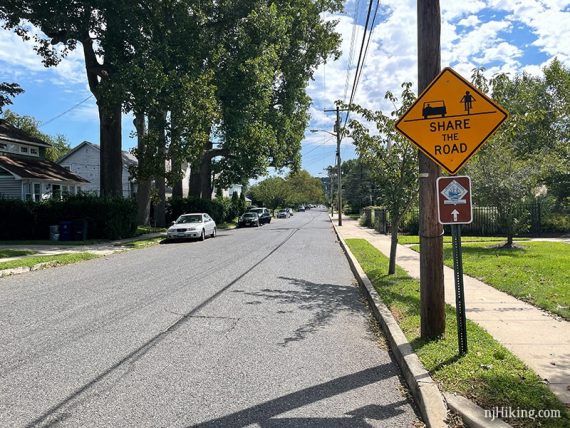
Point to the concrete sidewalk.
(540, 340)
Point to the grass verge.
(141, 230)
(143, 243)
(414, 239)
(60, 259)
(536, 272)
(5, 253)
(489, 374)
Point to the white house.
(85, 160)
(26, 174)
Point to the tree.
(7, 92)
(359, 189)
(267, 52)
(304, 189)
(271, 193)
(99, 28)
(28, 124)
(392, 160)
(529, 149)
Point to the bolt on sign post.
(450, 120)
(454, 208)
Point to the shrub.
(107, 218)
(217, 209)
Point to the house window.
(3, 146)
(27, 191)
(37, 192)
(23, 149)
(34, 151)
(56, 191)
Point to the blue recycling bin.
(65, 230)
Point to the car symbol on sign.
(434, 108)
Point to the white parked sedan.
(194, 225)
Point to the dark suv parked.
(263, 213)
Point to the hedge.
(106, 218)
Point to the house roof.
(38, 169)
(9, 132)
(128, 158)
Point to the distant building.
(85, 160)
(26, 174)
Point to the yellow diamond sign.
(450, 120)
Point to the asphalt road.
(257, 327)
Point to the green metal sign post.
(454, 208)
(459, 289)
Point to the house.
(26, 174)
(85, 160)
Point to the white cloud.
(19, 56)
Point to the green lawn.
(489, 374)
(60, 259)
(4, 253)
(536, 272)
(415, 239)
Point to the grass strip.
(60, 259)
(536, 272)
(143, 243)
(5, 253)
(414, 239)
(489, 374)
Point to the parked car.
(290, 211)
(250, 218)
(264, 214)
(301, 208)
(283, 214)
(193, 225)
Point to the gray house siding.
(10, 188)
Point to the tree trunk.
(206, 178)
(157, 125)
(111, 168)
(195, 184)
(111, 159)
(393, 245)
(143, 185)
(175, 161)
(201, 173)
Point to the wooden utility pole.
(432, 291)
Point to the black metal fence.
(532, 219)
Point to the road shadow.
(324, 301)
(264, 414)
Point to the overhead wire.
(351, 49)
(362, 55)
(66, 111)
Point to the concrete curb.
(429, 399)
(472, 414)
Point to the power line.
(351, 50)
(362, 54)
(66, 111)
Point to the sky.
(509, 36)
